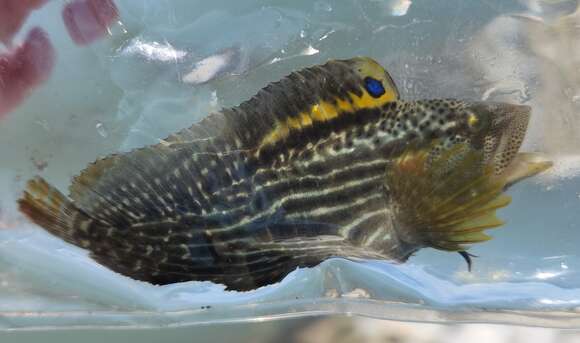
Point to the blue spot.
(374, 87)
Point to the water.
(166, 64)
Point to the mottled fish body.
(329, 161)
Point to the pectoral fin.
(444, 208)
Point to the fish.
(327, 162)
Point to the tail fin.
(46, 206)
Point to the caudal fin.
(46, 206)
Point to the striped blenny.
(327, 162)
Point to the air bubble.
(102, 130)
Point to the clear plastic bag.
(165, 65)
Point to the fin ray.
(446, 208)
(48, 207)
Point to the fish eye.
(374, 87)
(476, 122)
(472, 120)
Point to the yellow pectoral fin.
(444, 207)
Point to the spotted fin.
(445, 210)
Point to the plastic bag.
(163, 66)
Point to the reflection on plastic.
(24, 69)
(13, 14)
(528, 274)
(88, 20)
(83, 294)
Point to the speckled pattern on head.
(307, 169)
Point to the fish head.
(445, 193)
(497, 130)
(492, 130)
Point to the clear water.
(146, 79)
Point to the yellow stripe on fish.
(326, 111)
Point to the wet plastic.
(165, 65)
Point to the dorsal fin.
(304, 98)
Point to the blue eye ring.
(374, 87)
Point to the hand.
(25, 67)
(13, 14)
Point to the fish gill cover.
(409, 173)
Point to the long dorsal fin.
(302, 99)
(305, 98)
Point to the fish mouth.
(501, 141)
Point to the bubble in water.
(102, 130)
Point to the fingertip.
(88, 20)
